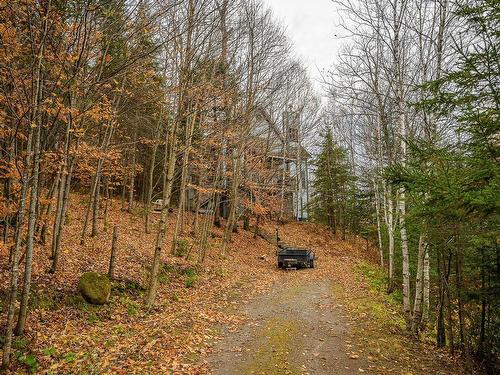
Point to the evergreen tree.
(334, 190)
(455, 181)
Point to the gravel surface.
(298, 327)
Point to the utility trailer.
(294, 257)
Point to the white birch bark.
(419, 283)
(390, 224)
(379, 229)
(426, 286)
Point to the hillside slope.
(66, 335)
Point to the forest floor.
(236, 314)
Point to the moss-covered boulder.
(95, 288)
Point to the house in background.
(286, 160)
(276, 164)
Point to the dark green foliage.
(191, 277)
(23, 355)
(181, 248)
(50, 351)
(377, 279)
(29, 360)
(20, 343)
(454, 182)
(334, 195)
(70, 357)
(128, 287)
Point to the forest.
(157, 151)
(415, 106)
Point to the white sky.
(311, 25)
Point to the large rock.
(95, 288)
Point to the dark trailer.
(294, 257)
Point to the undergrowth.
(377, 279)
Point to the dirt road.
(298, 327)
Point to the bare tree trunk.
(64, 190)
(379, 230)
(106, 203)
(449, 326)
(90, 205)
(308, 196)
(458, 280)
(94, 193)
(57, 236)
(60, 197)
(132, 175)
(284, 166)
(48, 211)
(124, 192)
(33, 118)
(196, 222)
(257, 227)
(169, 168)
(209, 220)
(441, 333)
(484, 303)
(203, 243)
(95, 207)
(239, 150)
(23, 309)
(406, 259)
(149, 192)
(8, 193)
(400, 106)
(62, 194)
(184, 176)
(298, 160)
(112, 259)
(233, 202)
(9, 327)
(379, 164)
(246, 221)
(217, 203)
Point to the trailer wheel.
(280, 264)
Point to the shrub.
(29, 360)
(191, 277)
(181, 247)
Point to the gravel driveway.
(295, 328)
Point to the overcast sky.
(311, 25)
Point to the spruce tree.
(454, 179)
(333, 186)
